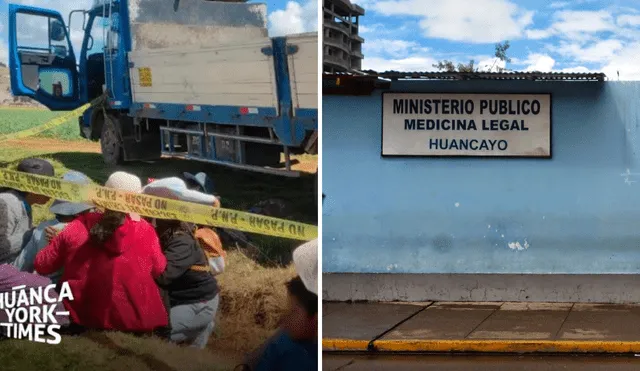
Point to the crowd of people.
(143, 276)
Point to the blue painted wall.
(575, 213)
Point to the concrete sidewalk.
(481, 327)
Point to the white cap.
(124, 182)
(305, 260)
(176, 189)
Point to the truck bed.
(240, 75)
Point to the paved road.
(475, 363)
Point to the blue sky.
(284, 17)
(578, 35)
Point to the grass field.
(253, 297)
(17, 119)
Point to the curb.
(345, 345)
(483, 346)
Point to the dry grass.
(252, 301)
(108, 352)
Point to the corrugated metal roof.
(533, 76)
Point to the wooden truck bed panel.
(240, 75)
(303, 68)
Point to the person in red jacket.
(111, 261)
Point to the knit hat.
(124, 182)
(305, 260)
(36, 166)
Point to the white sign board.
(483, 125)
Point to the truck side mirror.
(57, 31)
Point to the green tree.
(500, 54)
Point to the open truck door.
(41, 59)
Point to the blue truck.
(193, 79)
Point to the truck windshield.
(105, 37)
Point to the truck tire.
(110, 142)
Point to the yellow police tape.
(46, 126)
(156, 207)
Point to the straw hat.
(124, 182)
(305, 260)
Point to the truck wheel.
(110, 143)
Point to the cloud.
(578, 25)
(559, 4)
(396, 48)
(414, 57)
(539, 63)
(598, 52)
(538, 34)
(571, 22)
(401, 64)
(629, 20)
(577, 69)
(481, 21)
(396, 55)
(625, 62)
(295, 18)
(364, 29)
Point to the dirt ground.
(55, 145)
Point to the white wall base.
(581, 288)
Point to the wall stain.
(442, 243)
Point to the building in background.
(342, 45)
(557, 226)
